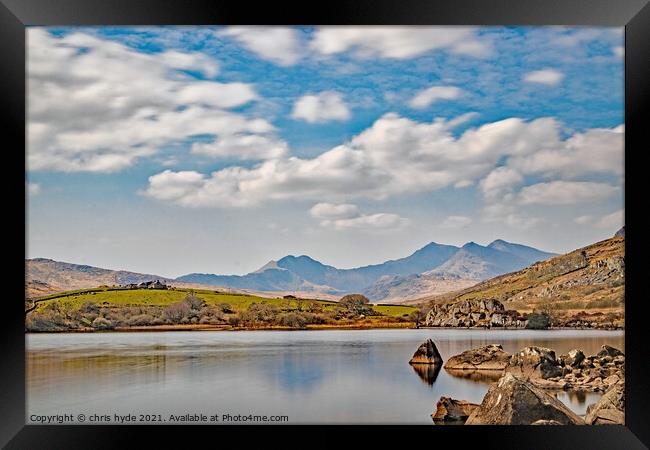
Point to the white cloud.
(347, 216)
(426, 97)
(549, 77)
(598, 150)
(456, 222)
(398, 42)
(370, 221)
(500, 181)
(613, 221)
(242, 147)
(280, 45)
(565, 193)
(322, 107)
(334, 211)
(430, 157)
(97, 105)
(33, 189)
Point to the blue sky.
(171, 150)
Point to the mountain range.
(440, 266)
(433, 269)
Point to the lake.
(330, 376)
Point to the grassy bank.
(102, 309)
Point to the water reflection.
(477, 376)
(312, 376)
(427, 372)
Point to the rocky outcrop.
(488, 357)
(427, 353)
(450, 410)
(514, 401)
(534, 362)
(484, 313)
(610, 409)
(573, 371)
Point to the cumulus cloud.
(334, 211)
(398, 42)
(549, 77)
(97, 105)
(280, 45)
(394, 156)
(242, 146)
(345, 216)
(598, 150)
(33, 188)
(500, 181)
(322, 107)
(565, 192)
(369, 221)
(426, 97)
(619, 51)
(456, 222)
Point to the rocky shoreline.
(522, 391)
(491, 313)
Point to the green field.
(111, 297)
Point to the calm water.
(358, 376)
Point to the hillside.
(45, 276)
(591, 278)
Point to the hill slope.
(589, 278)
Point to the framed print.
(274, 220)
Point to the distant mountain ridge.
(430, 264)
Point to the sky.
(172, 150)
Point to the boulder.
(488, 357)
(534, 362)
(574, 358)
(610, 409)
(606, 350)
(452, 410)
(427, 353)
(514, 401)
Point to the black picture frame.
(15, 15)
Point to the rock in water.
(427, 353)
(606, 350)
(488, 357)
(534, 363)
(610, 409)
(513, 401)
(452, 410)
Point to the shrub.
(354, 305)
(538, 321)
(176, 312)
(292, 319)
(101, 323)
(225, 308)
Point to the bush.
(176, 312)
(354, 305)
(538, 321)
(259, 314)
(101, 323)
(292, 319)
(226, 308)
